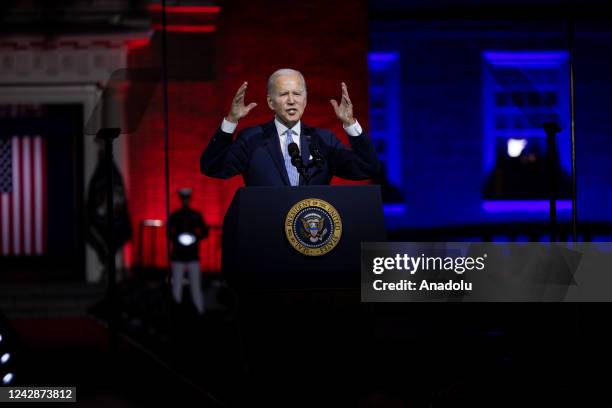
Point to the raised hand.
(344, 111)
(238, 110)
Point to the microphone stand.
(299, 165)
(572, 129)
(551, 130)
(296, 160)
(317, 157)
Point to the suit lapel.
(273, 145)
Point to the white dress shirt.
(351, 130)
(282, 135)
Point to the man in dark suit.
(262, 154)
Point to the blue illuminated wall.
(441, 124)
(385, 112)
(384, 106)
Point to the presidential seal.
(313, 227)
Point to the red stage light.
(185, 9)
(185, 28)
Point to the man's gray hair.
(284, 71)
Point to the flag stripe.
(44, 194)
(38, 214)
(21, 197)
(16, 197)
(3, 219)
(33, 196)
(11, 223)
(27, 195)
(4, 206)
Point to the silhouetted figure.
(524, 177)
(187, 229)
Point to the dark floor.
(316, 349)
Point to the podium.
(257, 253)
(299, 314)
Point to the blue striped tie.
(292, 172)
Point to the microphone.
(317, 157)
(296, 159)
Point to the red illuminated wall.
(327, 41)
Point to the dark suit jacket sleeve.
(223, 158)
(358, 163)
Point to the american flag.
(23, 196)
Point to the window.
(521, 92)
